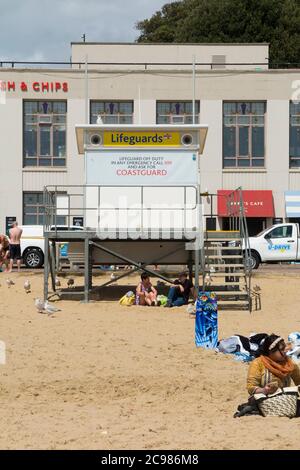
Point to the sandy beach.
(103, 376)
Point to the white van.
(33, 243)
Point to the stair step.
(224, 256)
(226, 265)
(222, 247)
(217, 240)
(233, 302)
(213, 285)
(235, 293)
(218, 274)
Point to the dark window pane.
(30, 161)
(229, 163)
(243, 163)
(30, 141)
(29, 220)
(45, 161)
(295, 163)
(45, 132)
(59, 107)
(258, 162)
(45, 107)
(295, 141)
(30, 107)
(258, 142)
(59, 141)
(126, 119)
(244, 141)
(30, 198)
(59, 162)
(229, 142)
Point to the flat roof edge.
(171, 43)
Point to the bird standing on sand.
(40, 305)
(50, 309)
(27, 287)
(9, 282)
(113, 277)
(57, 282)
(70, 282)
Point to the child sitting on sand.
(146, 294)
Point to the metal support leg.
(86, 269)
(190, 266)
(46, 269)
(197, 262)
(52, 265)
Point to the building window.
(244, 134)
(45, 133)
(34, 210)
(176, 112)
(294, 134)
(112, 112)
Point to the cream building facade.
(252, 112)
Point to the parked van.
(33, 243)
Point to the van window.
(285, 231)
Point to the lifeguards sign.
(141, 155)
(144, 139)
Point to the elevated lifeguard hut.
(140, 204)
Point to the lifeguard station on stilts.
(140, 205)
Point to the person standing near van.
(15, 235)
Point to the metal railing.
(90, 204)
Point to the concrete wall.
(172, 53)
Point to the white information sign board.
(142, 167)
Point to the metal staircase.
(226, 268)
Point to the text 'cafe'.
(258, 207)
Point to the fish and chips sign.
(158, 157)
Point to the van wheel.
(33, 258)
(253, 260)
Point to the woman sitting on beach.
(4, 251)
(273, 369)
(145, 293)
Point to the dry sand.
(102, 376)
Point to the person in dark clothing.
(180, 291)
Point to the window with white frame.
(176, 112)
(45, 133)
(244, 134)
(34, 210)
(294, 134)
(111, 112)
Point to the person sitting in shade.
(180, 291)
(146, 294)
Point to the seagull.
(27, 287)
(57, 282)
(40, 305)
(50, 309)
(9, 282)
(113, 277)
(207, 279)
(70, 282)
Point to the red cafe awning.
(256, 203)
